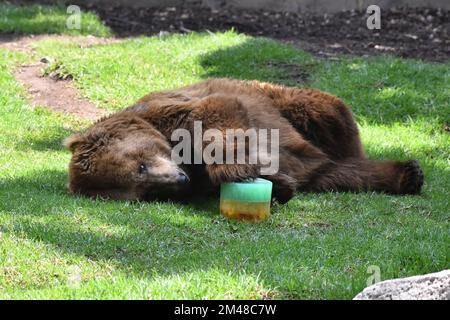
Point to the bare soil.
(420, 33)
(58, 95)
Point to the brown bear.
(128, 155)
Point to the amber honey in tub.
(246, 200)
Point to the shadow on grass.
(172, 238)
(49, 140)
(380, 90)
(161, 237)
(44, 144)
(261, 59)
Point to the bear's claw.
(411, 179)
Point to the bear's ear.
(73, 141)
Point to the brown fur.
(320, 149)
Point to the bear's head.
(123, 158)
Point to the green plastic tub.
(246, 200)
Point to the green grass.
(161, 63)
(48, 19)
(316, 246)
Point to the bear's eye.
(142, 168)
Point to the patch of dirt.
(57, 95)
(23, 42)
(54, 92)
(406, 32)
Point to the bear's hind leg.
(396, 177)
(323, 120)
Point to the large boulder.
(432, 286)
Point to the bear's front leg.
(222, 119)
(222, 173)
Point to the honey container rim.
(258, 190)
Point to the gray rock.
(432, 286)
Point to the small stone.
(411, 36)
(163, 33)
(383, 48)
(45, 60)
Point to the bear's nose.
(182, 178)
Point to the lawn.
(48, 19)
(56, 245)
